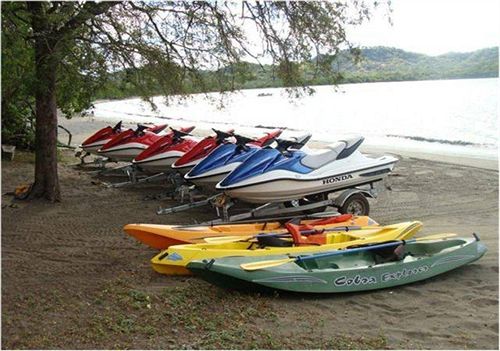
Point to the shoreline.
(461, 160)
(82, 127)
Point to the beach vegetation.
(60, 53)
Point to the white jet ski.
(273, 176)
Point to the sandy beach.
(72, 279)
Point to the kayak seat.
(273, 241)
(337, 151)
(389, 254)
(298, 239)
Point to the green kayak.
(356, 269)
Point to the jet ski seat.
(337, 151)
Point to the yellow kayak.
(163, 236)
(174, 260)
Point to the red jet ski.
(201, 150)
(160, 156)
(101, 137)
(130, 143)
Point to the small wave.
(432, 140)
(273, 127)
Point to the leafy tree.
(63, 51)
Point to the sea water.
(444, 116)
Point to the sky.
(433, 27)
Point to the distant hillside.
(377, 64)
(387, 64)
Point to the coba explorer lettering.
(357, 280)
(403, 273)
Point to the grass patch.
(64, 156)
(195, 315)
(188, 315)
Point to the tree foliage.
(60, 53)
(17, 79)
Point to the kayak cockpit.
(370, 258)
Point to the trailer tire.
(356, 204)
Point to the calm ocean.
(445, 116)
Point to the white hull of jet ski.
(284, 185)
(126, 152)
(92, 148)
(185, 168)
(211, 178)
(160, 162)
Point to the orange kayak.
(162, 236)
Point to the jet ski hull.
(287, 188)
(159, 163)
(210, 179)
(184, 169)
(124, 152)
(93, 147)
(208, 182)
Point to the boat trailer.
(134, 175)
(351, 200)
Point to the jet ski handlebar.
(242, 140)
(117, 127)
(285, 144)
(140, 128)
(221, 136)
(178, 134)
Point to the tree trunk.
(46, 177)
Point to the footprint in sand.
(484, 302)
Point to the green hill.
(377, 64)
(390, 64)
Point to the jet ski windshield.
(266, 160)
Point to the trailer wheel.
(356, 204)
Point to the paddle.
(273, 263)
(224, 239)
